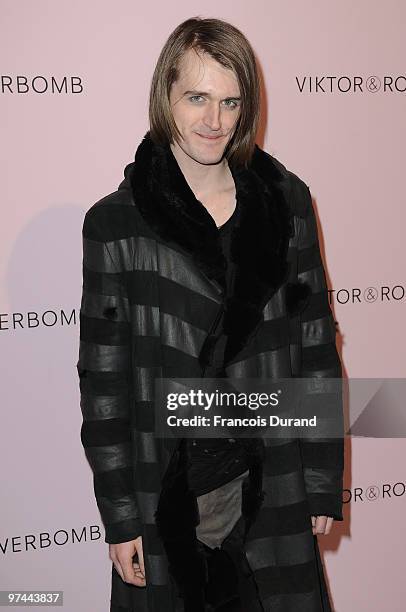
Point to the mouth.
(209, 138)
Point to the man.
(206, 262)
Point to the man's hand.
(322, 524)
(122, 557)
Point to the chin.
(206, 157)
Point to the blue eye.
(229, 103)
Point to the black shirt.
(216, 461)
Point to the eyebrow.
(205, 93)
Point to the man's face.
(206, 105)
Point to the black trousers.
(230, 585)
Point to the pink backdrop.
(63, 150)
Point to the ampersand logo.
(371, 294)
(372, 493)
(373, 84)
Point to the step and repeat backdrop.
(75, 80)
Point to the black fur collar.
(259, 245)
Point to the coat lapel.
(259, 245)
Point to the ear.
(297, 296)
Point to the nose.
(212, 116)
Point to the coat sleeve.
(322, 458)
(104, 369)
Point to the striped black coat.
(153, 290)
